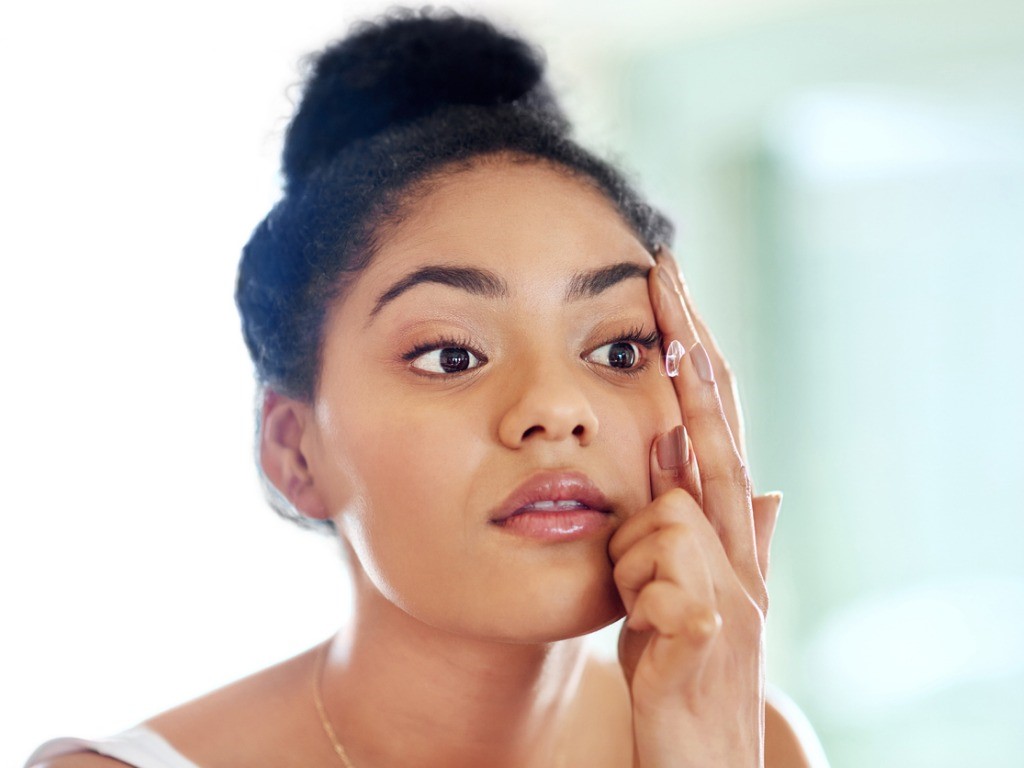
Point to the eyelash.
(442, 342)
(646, 339)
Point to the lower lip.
(565, 525)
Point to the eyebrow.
(474, 280)
(482, 282)
(586, 285)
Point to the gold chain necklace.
(318, 700)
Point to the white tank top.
(139, 747)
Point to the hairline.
(407, 197)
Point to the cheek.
(416, 437)
(414, 467)
(633, 421)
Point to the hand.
(690, 568)
(765, 507)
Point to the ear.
(284, 424)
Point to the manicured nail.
(673, 357)
(702, 363)
(670, 448)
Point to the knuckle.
(750, 614)
(762, 599)
(673, 540)
(662, 603)
(619, 569)
(669, 507)
(623, 572)
(702, 623)
(706, 416)
(735, 475)
(710, 474)
(741, 476)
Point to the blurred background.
(848, 177)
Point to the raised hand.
(690, 568)
(766, 506)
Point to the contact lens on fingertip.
(673, 356)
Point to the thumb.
(673, 464)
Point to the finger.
(677, 637)
(673, 464)
(675, 507)
(662, 542)
(725, 484)
(765, 508)
(723, 373)
(673, 321)
(672, 612)
(680, 554)
(766, 515)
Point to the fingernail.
(670, 448)
(673, 357)
(656, 249)
(702, 363)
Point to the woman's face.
(441, 394)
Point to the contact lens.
(673, 357)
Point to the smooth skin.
(464, 648)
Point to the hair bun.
(403, 67)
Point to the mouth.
(554, 506)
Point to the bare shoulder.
(83, 760)
(789, 739)
(254, 721)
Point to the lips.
(552, 492)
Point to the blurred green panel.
(850, 185)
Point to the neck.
(400, 692)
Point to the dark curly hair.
(386, 113)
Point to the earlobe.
(282, 458)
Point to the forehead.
(520, 219)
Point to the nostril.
(577, 432)
(531, 431)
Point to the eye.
(446, 360)
(618, 354)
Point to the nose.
(548, 403)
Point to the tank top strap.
(139, 747)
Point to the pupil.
(454, 359)
(621, 355)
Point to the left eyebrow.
(586, 285)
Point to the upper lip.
(552, 486)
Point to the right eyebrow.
(471, 279)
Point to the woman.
(476, 359)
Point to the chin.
(555, 610)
